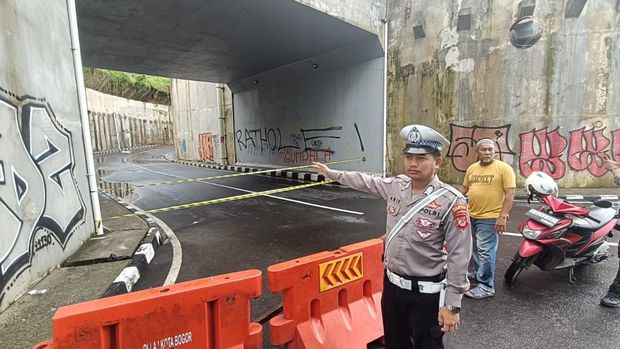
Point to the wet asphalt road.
(541, 310)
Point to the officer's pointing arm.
(356, 180)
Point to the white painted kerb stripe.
(129, 276)
(148, 251)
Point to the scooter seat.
(600, 214)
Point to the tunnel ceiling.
(216, 41)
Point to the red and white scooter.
(560, 235)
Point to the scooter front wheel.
(516, 267)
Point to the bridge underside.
(219, 40)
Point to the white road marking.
(244, 190)
(177, 251)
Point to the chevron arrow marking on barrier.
(325, 271)
(340, 271)
(341, 266)
(332, 275)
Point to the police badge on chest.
(431, 212)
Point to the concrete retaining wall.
(196, 121)
(45, 209)
(552, 107)
(121, 123)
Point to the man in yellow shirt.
(490, 187)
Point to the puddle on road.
(120, 190)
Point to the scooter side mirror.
(602, 203)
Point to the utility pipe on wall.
(81, 91)
(221, 117)
(385, 86)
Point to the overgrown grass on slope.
(147, 88)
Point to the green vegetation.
(146, 88)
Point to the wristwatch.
(453, 309)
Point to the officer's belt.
(428, 287)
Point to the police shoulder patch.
(458, 208)
(462, 222)
(461, 216)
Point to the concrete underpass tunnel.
(304, 84)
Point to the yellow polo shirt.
(486, 188)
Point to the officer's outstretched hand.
(320, 168)
(611, 165)
(448, 320)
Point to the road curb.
(109, 151)
(141, 258)
(301, 176)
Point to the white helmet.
(540, 183)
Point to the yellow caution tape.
(201, 179)
(226, 199)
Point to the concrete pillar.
(93, 131)
(145, 133)
(101, 131)
(108, 132)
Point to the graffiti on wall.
(40, 203)
(463, 139)
(584, 149)
(205, 146)
(307, 145)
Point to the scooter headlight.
(531, 234)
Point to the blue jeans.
(484, 242)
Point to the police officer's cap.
(420, 139)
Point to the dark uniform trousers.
(615, 286)
(410, 317)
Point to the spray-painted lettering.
(40, 202)
(463, 140)
(542, 150)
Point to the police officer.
(427, 243)
(612, 298)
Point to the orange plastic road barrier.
(330, 299)
(212, 312)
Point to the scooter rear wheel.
(516, 267)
